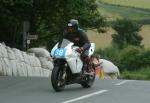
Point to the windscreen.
(64, 43)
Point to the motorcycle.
(69, 68)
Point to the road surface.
(39, 90)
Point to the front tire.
(57, 80)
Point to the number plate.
(59, 53)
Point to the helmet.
(73, 25)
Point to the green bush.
(130, 58)
(111, 53)
(142, 74)
(134, 58)
(133, 61)
(145, 58)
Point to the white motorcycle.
(68, 66)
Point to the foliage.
(47, 18)
(142, 74)
(12, 13)
(126, 33)
(130, 58)
(56, 19)
(111, 53)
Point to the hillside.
(113, 12)
(145, 4)
(104, 40)
(137, 10)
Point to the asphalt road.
(39, 90)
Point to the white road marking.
(85, 96)
(123, 82)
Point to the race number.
(59, 53)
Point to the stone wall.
(34, 63)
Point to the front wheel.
(58, 78)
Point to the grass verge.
(142, 74)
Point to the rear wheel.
(58, 78)
(89, 79)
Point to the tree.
(127, 33)
(12, 15)
(54, 15)
(48, 18)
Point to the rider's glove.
(79, 50)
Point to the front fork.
(63, 66)
(64, 72)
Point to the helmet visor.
(70, 28)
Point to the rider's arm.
(86, 41)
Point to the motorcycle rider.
(79, 38)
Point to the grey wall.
(14, 62)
